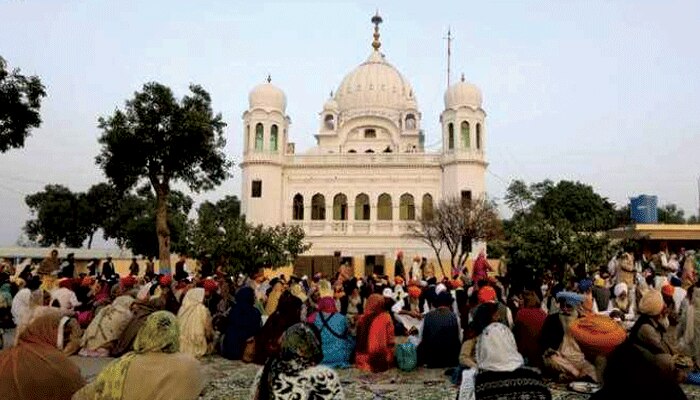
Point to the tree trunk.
(162, 192)
(92, 235)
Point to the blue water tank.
(643, 209)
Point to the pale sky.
(605, 92)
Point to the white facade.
(369, 177)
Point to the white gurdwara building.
(369, 175)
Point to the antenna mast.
(449, 39)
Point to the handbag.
(249, 351)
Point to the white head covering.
(388, 293)
(496, 349)
(619, 288)
(440, 288)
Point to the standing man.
(92, 267)
(150, 269)
(68, 270)
(134, 267)
(108, 268)
(398, 266)
(180, 272)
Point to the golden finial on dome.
(376, 20)
(269, 78)
(462, 76)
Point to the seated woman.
(196, 331)
(500, 369)
(528, 325)
(375, 337)
(34, 368)
(243, 323)
(155, 370)
(104, 331)
(141, 310)
(267, 342)
(294, 374)
(337, 343)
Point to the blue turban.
(585, 284)
(573, 299)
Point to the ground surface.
(233, 380)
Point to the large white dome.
(462, 94)
(375, 84)
(267, 96)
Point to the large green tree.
(223, 234)
(20, 101)
(132, 222)
(558, 225)
(161, 140)
(57, 217)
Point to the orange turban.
(414, 292)
(398, 280)
(456, 283)
(667, 290)
(210, 285)
(128, 281)
(166, 280)
(487, 294)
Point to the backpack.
(406, 356)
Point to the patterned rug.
(232, 380)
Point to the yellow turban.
(652, 303)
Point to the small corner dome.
(330, 105)
(267, 96)
(463, 94)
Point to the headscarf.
(652, 303)
(373, 308)
(194, 320)
(327, 305)
(34, 366)
(296, 290)
(325, 289)
(165, 280)
(274, 298)
(496, 349)
(600, 282)
(620, 288)
(160, 334)
(128, 282)
(301, 349)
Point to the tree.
(132, 223)
(562, 224)
(57, 217)
(99, 203)
(20, 100)
(671, 214)
(223, 234)
(453, 225)
(162, 140)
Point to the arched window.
(369, 151)
(340, 207)
(318, 207)
(362, 207)
(384, 207)
(410, 122)
(298, 207)
(427, 207)
(370, 134)
(450, 136)
(465, 135)
(407, 208)
(352, 151)
(259, 137)
(273, 138)
(329, 122)
(478, 136)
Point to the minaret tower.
(265, 127)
